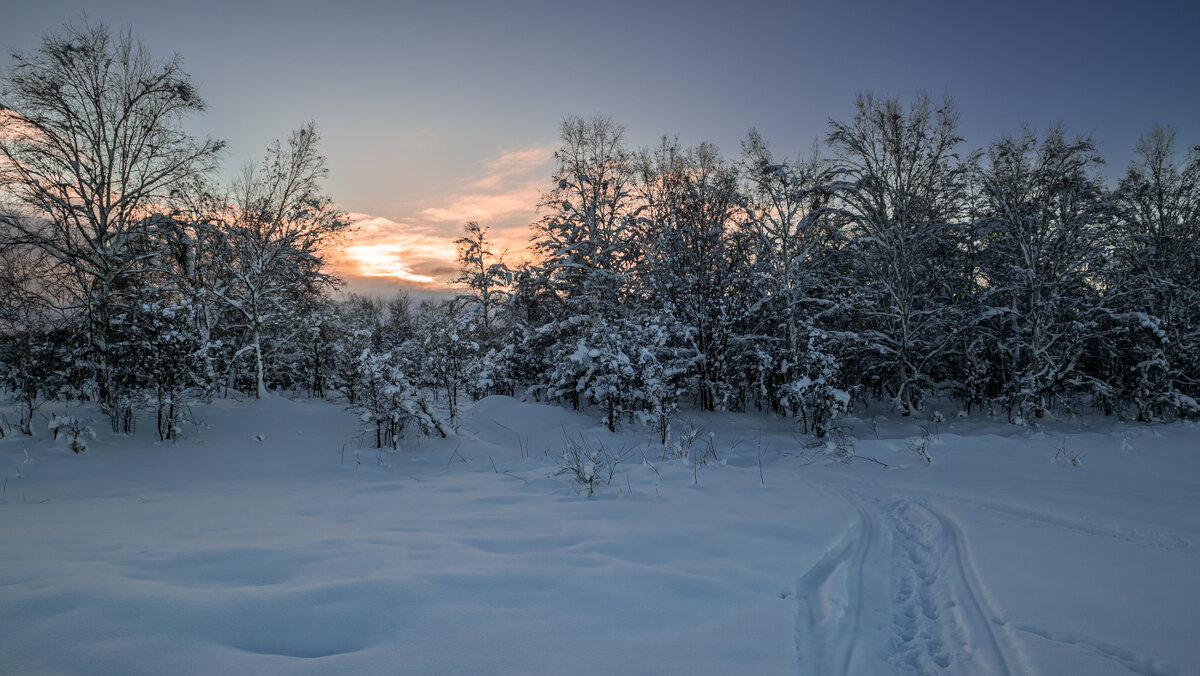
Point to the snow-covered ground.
(267, 541)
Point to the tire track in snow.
(901, 569)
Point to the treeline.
(891, 264)
(128, 276)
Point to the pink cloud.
(517, 202)
(507, 190)
(419, 251)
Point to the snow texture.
(305, 552)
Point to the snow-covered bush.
(594, 366)
(590, 466)
(679, 446)
(920, 446)
(1068, 456)
(75, 430)
(161, 359)
(492, 372)
(814, 393)
(390, 403)
(630, 369)
(661, 367)
(31, 367)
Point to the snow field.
(303, 553)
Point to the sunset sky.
(437, 113)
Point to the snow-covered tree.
(484, 273)
(276, 230)
(194, 268)
(599, 369)
(628, 367)
(581, 240)
(28, 359)
(1043, 219)
(583, 271)
(1155, 287)
(444, 350)
(33, 349)
(662, 363)
(691, 256)
(389, 400)
(900, 187)
(797, 300)
(92, 143)
(162, 359)
(357, 329)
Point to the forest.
(892, 262)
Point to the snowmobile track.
(899, 588)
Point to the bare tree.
(91, 145)
(1042, 221)
(1157, 288)
(278, 227)
(901, 187)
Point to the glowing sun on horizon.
(383, 260)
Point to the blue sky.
(436, 112)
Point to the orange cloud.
(411, 253)
(384, 260)
(419, 251)
(516, 164)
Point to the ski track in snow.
(902, 577)
(1134, 663)
(1140, 534)
(901, 568)
(830, 602)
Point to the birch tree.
(278, 226)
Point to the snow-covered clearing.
(268, 542)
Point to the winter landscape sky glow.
(432, 116)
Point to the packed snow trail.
(899, 589)
(830, 599)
